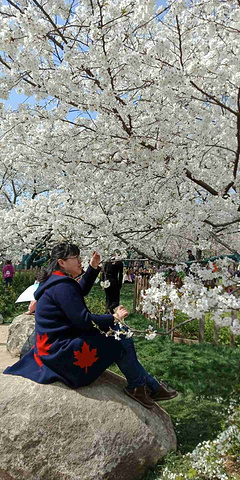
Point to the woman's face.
(72, 265)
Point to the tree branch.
(201, 183)
(214, 99)
(238, 140)
(4, 63)
(180, 43)
(140, 252)
(223, 243)
(219, 225)
(50, 20)
(15, 6)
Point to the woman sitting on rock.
(69, 344)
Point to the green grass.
(96, 298)
(204, 375)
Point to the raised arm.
(88, 279)
(91, 274)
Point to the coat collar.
(59, 273)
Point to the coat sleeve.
(68, 297)
(88, 279)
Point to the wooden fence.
(25, 273)
(141, 285)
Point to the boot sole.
(137, 400)
(164, 398)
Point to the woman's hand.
(120, 313)
(95, 260)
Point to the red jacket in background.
(8, 271)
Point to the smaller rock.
(20, 334)
(28, 345)
(1, 318)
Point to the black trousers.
(112, 298)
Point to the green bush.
(191, 330)
(8, 295)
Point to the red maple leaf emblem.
(42, 348)
(86, 357)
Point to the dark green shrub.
(8, 296)
(191, 330)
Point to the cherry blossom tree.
(133, 136)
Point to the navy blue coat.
(68, 347)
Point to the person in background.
(127, 277)
(145, 273)
(238, 271)
(71, 345)
(190, 259)
(190, 256)
(113, 272)
(8, 273)
(132, 276)
(140, 271)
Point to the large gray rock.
(50, 432)
(20, 333)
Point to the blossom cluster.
(195, 298)
(105, 284)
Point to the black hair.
(63, 251)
